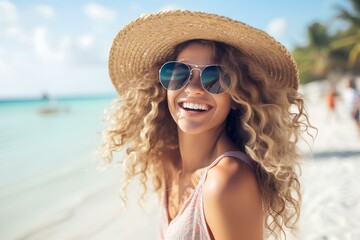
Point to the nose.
(194, 86)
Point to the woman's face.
(193, 109)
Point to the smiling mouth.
(194, 107)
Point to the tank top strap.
(236, 154)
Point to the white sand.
(331, 199)
(331, 177)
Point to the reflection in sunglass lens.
(174, 75)
(214, 80)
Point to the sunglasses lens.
(174, 75)
(214, 79)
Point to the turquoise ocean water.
(46, 160)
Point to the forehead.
(196, 53)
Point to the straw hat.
(151, 38)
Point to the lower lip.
(192, 113)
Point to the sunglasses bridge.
(191, 73)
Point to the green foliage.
(325, 53)
(318, 35)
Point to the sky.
(61, 47)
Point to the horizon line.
(60, 97)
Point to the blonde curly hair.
(267, 124)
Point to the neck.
(198, 150)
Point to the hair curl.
(267, 124)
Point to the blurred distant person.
(352, 101)
(331, 102)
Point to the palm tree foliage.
(351, 36)
(325, 52)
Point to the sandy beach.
(331, 196)
(87, 205)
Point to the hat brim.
(151, 38)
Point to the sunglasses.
(175, 75)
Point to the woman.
(211, 112)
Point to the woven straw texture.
(151, 38)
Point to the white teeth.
(195, 106)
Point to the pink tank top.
(190, 223)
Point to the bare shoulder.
(232, 201)
(231, 178)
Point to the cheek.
(225, 102)
(170, 99)
(171, 96)
(224, 107)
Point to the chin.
(191, 128)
